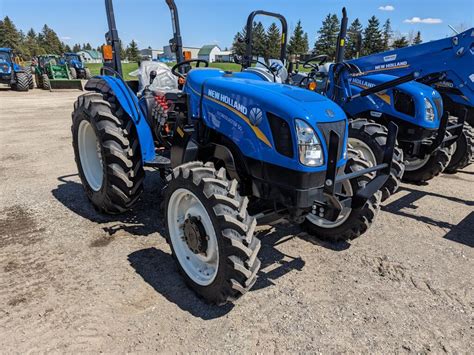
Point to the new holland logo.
(330, 113)
(255, 116)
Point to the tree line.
(375, 38)
(47, 41)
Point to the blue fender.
(129, 103)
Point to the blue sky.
(216, 21)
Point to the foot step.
(159, 162)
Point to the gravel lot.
(73, 280)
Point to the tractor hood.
(260, 116)
(247, 90)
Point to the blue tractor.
(12, 75)
(425, 135)
(77, 68)
(448, 66)
(235, 151)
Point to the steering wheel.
(321, 59)
(187, 62)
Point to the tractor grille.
(439, 107)
(281, 135)
(340, 128)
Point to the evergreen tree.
(373, 41)
(67, 48)
(400, 42)
(238, 46)
(133, 52)
(387, 35)
(76, 48)
(259, 40)
(31, 43)
(353, 36)
(299, 41)
(87, 47)
(9, 35)
(49, 41)
(327, 37)
(273, 42)
(417, 39)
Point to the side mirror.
(152, 76)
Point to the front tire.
(88, 74)
(420, 170)
(351, 223)
(107, 154)
(73, 73)
(370, 139)
(464, 153)
(45, 82)
(210, 232)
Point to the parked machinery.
(77, 67)
(52, 73)
(12, 74)
(425, 136)
(235, 150)
(447, 66)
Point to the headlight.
(309, 147)
(429, 111)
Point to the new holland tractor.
(77, 68)
(425, 134)
(369, 138)
(12, 74)
(236, 151)
(51, 73)
(448, 66)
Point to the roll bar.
(247, 60)
(341, 38)
(113, 40)
(176, 42)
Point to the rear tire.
(73, 73)
(352, 223)
(225, 266)
(464, 153)
(45, 82)
(22, 82)
(119, 185)
(31, 81)
(372, 138)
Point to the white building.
(209, 52)
(91, 56)
(150, 54)
(225, 57)
(169, 54)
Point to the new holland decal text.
(228, 101)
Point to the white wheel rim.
(343, 216)
(412, 164)
(364, 150)
(90, 155)
(202, 269)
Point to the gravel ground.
(73, 280)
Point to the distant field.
(129, 67)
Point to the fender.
(129, 103)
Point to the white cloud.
(66, 38)
(387, 8)
(428, 20)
